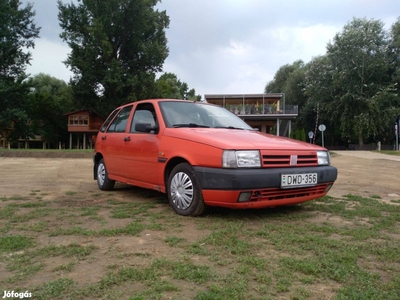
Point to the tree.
(320, 93)
(387, 99)
(394, 52)
(49, 99)
(359, 70)
(117, 46)
(353, 89)
(290, 80)
(17, 33)
(169, 86)
(286, 79)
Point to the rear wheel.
(184, 191)
(103, 181)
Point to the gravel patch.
(368, 155)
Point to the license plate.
(298, 180)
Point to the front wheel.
(184, 191)
(104, 183)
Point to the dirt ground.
(360, 172)
(367, 173)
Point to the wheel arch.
(171, 164)
(96, 158)
(188, 201)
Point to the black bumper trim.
(248, 179)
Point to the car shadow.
(133, 193)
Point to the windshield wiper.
(193, 125)
(229, 127)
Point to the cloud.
(48, 57)
(229, 46)
(245, 65)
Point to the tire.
(104, 183)
(184, 192)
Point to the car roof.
(163, 100)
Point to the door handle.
(127, 139)
(104, 137)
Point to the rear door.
(114, 141)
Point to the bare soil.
(360, 173)
(367, 174)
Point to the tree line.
(117, 50)
(353, 89)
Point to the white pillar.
(278, 127)
(264, 128)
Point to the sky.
(228, 46)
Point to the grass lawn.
(96, 245)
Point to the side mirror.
(145, 127)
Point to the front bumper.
(250, 179)
(223, 187)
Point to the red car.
(202, 155)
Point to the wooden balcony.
(254, 104)
(265, 112)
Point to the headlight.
(323, 158)
(241, 159)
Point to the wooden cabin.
(83, 126)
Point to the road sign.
(310, 136)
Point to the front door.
(141, 151)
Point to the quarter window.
(120, 121)
(108, 121)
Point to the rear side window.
(120, 121)
(109, 119)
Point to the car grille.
(289, 159)
(283, 194)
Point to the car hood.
(238, 139)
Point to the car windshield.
(195, 114)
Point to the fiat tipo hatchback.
(203, 155)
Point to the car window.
(192, 114)
(176, 113)
(108, 121)
(119, 123)
(144, 113)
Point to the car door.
(141, 151)
(115, 138)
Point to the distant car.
(202, 155)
